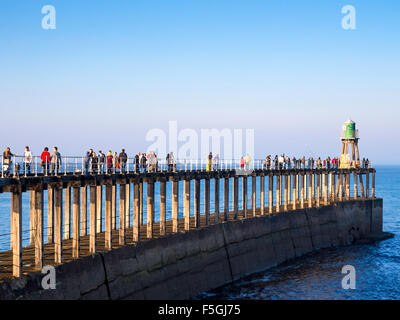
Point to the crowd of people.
(285, 162)
(51, 163)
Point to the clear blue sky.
(112, 70)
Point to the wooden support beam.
(50, 215)
(253, 194)
(76, 203)
(373, 185)
(286, 194)
(340, 186)
(186, 204)
(333, 187)
(84, 211)
(31, 216)
(302, 187)
(278, 193)
(362, 186)
(196, 203)
(318, 190)
(114, 206)
(262, 194)
(67, 214)
(216, 199)
(244, 196)
(150, 209)
(136, 212)
(128, 205)
(310, 193)
(58, 218)
(108, 222)
(37, 226)
(226, 199)
(122, 226)
(207, 201)
(93, 220)
(367, 184)
(141, 202)
(175, 203)
(235, 197)
(355, 182)
(16, 233)
(325, 188)
(270, 194)
(163, 206)
(295, 192)
(99, 206)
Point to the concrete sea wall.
(183, 265)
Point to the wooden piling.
(355, 182)
(196, 203)
(67, 214)
(163, 206)
(175, 203)
(295, 193)
(270, 193)
(226, 199)
(99, 206)
(216, 199)
(186, 204)
(253, 194)
(244, 196)
(128, 205)
(136, 212)
(50, 215)
(122, 225)
(302, 187)
(84, 211)
(362, 186)
(16, 232)
(108, 217)
(325, 188)
(207, 201)
(31, 216)
(150, 209)
(373, 185)
(286, 196)
(318, 197)
(114, 206)
(367, 184)
(262, 194)
(76, 203)
(278, 193)
(38, 227)
(310, 185)
(92, 219)
(235, 197)
(58, 218)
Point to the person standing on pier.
(86, 161)
(143, 162)
(247, 161)
(242, 163)
(216, 161)
(209, 161)
(109, 161)
(7, 161)
(102, 161)
(115, 162)
(137, 162)
(45, 160)
(27, 160)
(55, 161)
(123, 158)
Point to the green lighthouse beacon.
(350, 137)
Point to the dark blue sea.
(315, 276)
(318, 276)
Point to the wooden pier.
(72, 233)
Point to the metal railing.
(17, 166)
